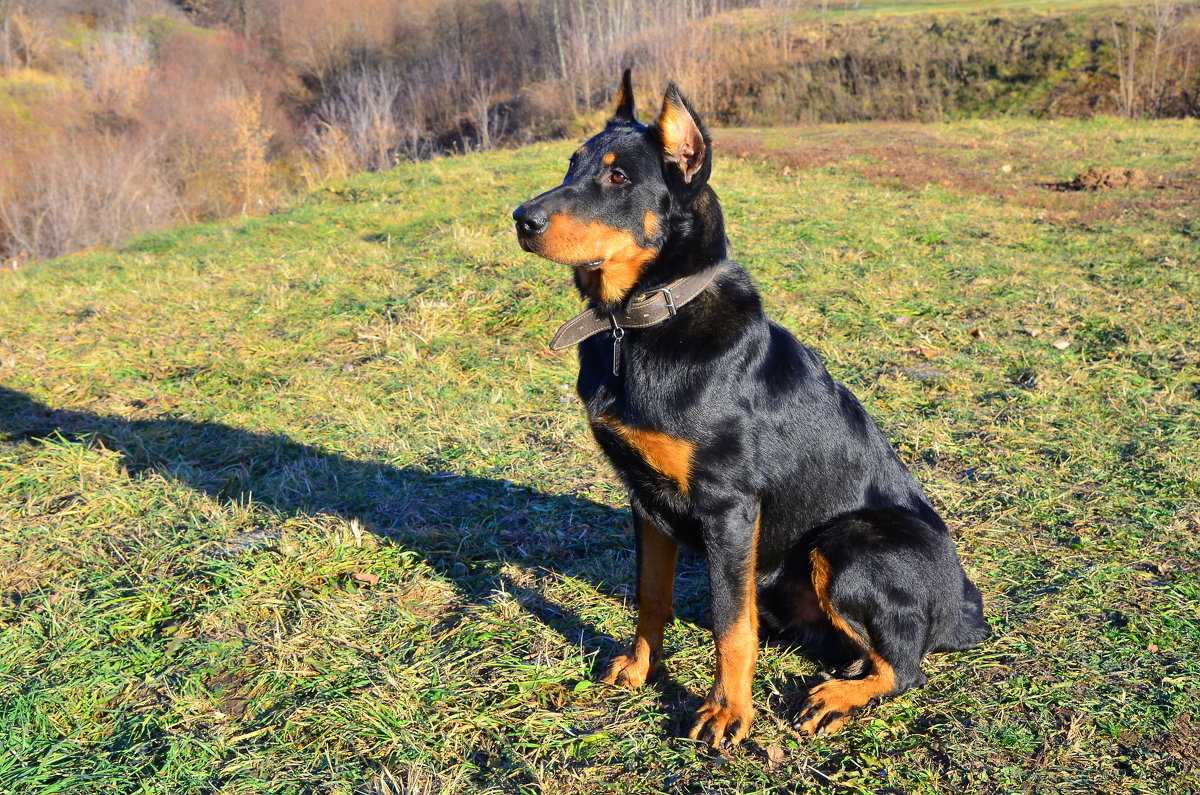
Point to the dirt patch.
(1105, 178)
(909, 158)
(1183, 742)
(747, 146)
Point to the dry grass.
(295, 503)
(982, 158)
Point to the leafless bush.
(211, 118)
(486, 118)
(591, 41)
(25, 37)
(1155, 49)
(250, 184)
(1125, 56)
(85, 192)
(360, 118)
(114, 69)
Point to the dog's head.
(614, 211)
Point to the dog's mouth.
(530, 243)
(595, 264)
(527, 242)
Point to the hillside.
(118, 118)
(302, 503)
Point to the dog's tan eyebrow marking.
(581, 150)
(609, 158)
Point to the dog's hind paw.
(831, 703)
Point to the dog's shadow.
(468, 529)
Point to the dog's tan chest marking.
(668, 455)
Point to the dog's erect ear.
(685, 143)
(625, 113)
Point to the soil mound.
(1107, 178)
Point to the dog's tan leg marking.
(656, 590)
(729, 709)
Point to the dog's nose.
(530, 220)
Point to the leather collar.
(648, 309)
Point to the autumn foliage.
(121, 115)
(132, 127)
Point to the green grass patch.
(302, 503)
(851, 8)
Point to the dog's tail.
(972, 627)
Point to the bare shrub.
(114, 69)
(216, 160)
(250, 173)
(27, 37)
(1125, 55)
(328, 154)
(106, 138)
(1155, 50)
(212, 125)
(359, 116)
(591, 42)
(318, 36)
(81, 193)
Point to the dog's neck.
(703, 244)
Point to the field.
(892, 7)
(302, 503)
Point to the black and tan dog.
(732, 438)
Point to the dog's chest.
(641, 446)
(646, 452)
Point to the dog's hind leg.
(891, 585)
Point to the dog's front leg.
(656, 554)
(731, 545)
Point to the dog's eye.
(618, 177)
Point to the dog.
(732, 438)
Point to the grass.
(301, 503)
(892, 7)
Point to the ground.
(302, 503)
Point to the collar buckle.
(667, 295)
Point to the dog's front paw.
(628, 671)
(718, 722)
